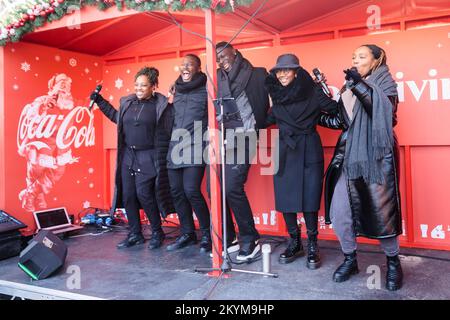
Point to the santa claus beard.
(65, 101)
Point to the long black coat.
(164, 116)
(375, 208)
(188, 108)
(298, 182)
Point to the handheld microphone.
(319, 77)
(97, 90)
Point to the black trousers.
(139, 192)
(185, 187)
(311, 221)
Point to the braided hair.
(151, 73)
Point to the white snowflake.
(25, 66)
(86, 70)
(16, 87)
(37, 58)
(36, 75)
(86, 204)
(107, 71)
(55, 199)
(91, 185)
(73, 62)
(119, 83)
(91, 170)
(110, 98)
(13, 50)
(98, 196)
(128, 71)
(78, 181)
(440, 45)
(128, 90)
(96, 64)
(57, 58)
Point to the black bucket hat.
(286, 61)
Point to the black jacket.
(375, 208)
(257, 95)
(164, 116)
(190, 107)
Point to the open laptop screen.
(52, 217)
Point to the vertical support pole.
(2, 131)
(214, 151)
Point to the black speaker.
(44, 255)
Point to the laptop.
(57, 220)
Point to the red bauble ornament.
(31, 17)
(60, 1)
(51, 10)
(43, 14)
(25, 17)
(21, 24)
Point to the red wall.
(419, 61)
(26, 73)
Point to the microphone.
(319, 77)
(97, 90)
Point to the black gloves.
(352, 75)
(96, 97)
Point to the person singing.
(241, 86)
(144, 122)
(298, 182)
(185, 157)
(362, 189)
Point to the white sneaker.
(233, 247)
(249, 251)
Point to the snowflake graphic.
(37, 58)
(111, 98)
(91, 170)
(91, 185)
(57, 58)
(15, 87)
(73, 62)
(86, 204)
(128, 71)
(119, 83)
(86, 70)
(25, 66)
(96, 64)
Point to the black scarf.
(298, 90)
(233, 83)
(198, 80)
(371, 138)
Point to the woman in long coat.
(361, 189)
(298, 182)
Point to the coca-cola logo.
(35, 128)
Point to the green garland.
(15, 25)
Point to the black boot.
(157, 239)
(183, 241)
(205, 242)
(293, 250)
(313, 260)
(346, 269)
(131, 240)
(394, 276)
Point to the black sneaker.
(248, 251)
(232, 246)
(183, 241)
(131, 240)
(156, 239)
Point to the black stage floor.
(138, 273)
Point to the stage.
(94, 268)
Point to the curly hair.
(151, 73)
